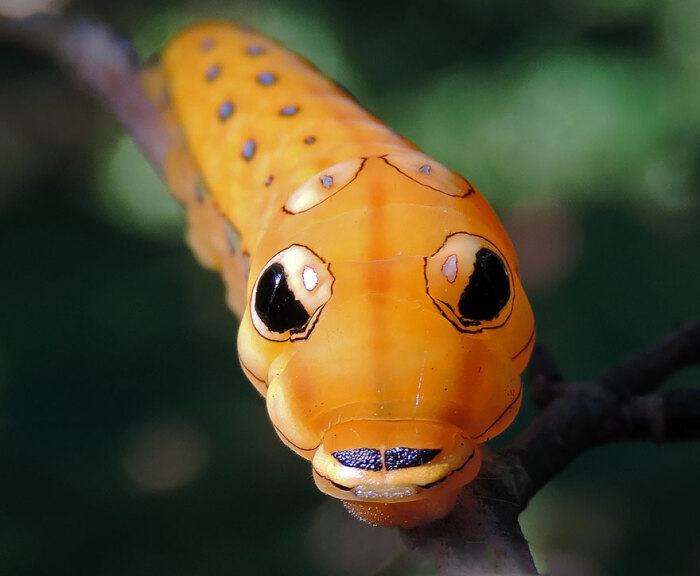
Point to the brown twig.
(104, 63)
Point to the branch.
(587, 414)
(672, 416)
(481, 535)
(103, 62)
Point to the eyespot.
(469, 280)
(289, 294)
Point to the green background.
(130, 442)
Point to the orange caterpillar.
(382, 316)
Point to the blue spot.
(249, 150)
(199, 192)
(327, 181)
(425, 169)
(255, 50)
(233, 238)
(225, 110)
(213, 72)
(266, 78)
(207, 44)
(269, 180)
(309, 139)
(289, 110)
(165, 97)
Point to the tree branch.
(103, 62)
(672, 416)
(586, 414)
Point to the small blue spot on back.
(266, 78)
(309, 140)
(289, 110)
(206, 44)
(233, 238)
(199, 192)
(165, 97)
(327, 181)
(269, 180)
(254, 50)
(213, 72)
(425, 169)
(225, 110)
(249, 150)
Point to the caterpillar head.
(387, 327)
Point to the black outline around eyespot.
(362, 165)
(497, 420)
(442, 312)
(464, 195)
(312, 321)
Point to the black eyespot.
(275, 303)
(488, 290)
(290, 293)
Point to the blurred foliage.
(131, 443)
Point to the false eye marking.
(450, 268)
(488, 290)
(290, 293)
(310, 278)
(470, 282)
(276, 304)
(321, 187)
(430, 174)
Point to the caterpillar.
(381, 312)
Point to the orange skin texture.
(382, 362)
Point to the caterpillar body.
(381, 312)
